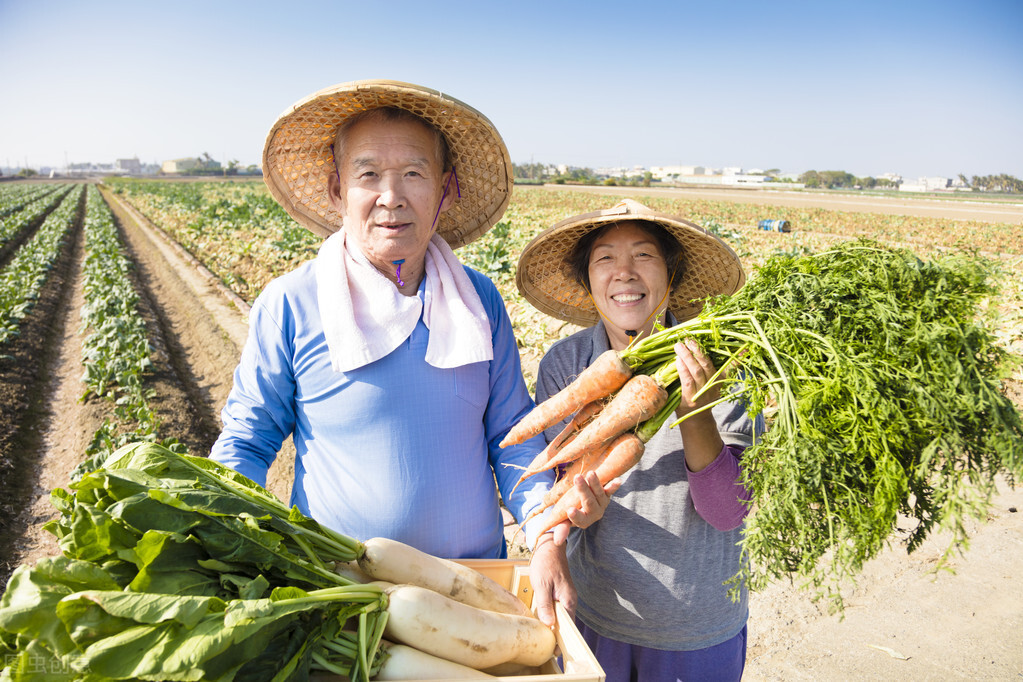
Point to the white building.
(673, 172)
(926, 185)
(181, 165)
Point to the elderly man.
(393, 366)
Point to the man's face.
(391, 184)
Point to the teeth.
(627, 298)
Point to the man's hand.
(548, 567)
(548, 574)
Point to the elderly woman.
(651, 600)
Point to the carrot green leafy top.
(880, 377)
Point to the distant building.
(620, 172)
(672, 172)
(181, 165)
(192, 164)
(926, 185)
(130, 166)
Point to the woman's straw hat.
(298, 156)
(709, 266)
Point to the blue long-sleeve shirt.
(397, 448)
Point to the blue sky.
(915, 88)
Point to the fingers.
(593, 498)
(549, 575)
(561, 532)
(543, 605)
(695, 370)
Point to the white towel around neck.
(365, 317)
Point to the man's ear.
(450, 191)
(334, 193)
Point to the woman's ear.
(334, 193)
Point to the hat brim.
(544, 277)
(298, 155)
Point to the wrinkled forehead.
(389, 125)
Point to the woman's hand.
(595, 498)
(700, 438)
(695, 371)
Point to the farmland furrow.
(205, 321)
(27, 385)
(195, 334)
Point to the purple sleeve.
(718, 494)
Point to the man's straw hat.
(298, 159)
(709, 266)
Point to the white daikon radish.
(408, 663)
(402, 564)
(475, 637)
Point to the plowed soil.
(901, 621)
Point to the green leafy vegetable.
(881, 379)
(177, 568)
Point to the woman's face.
(628, 280)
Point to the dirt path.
(903, 621)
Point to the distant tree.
(529, 171)
(997, 183)
(829, 179)
(27, 173)
(810, 178)
(647, 178)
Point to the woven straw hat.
(298, 158)
(544, 277)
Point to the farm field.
(197, 254)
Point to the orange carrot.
(624, 454)
(561, 440)
(638, 400)
(588, 461)
(603, 377)
(588, 412)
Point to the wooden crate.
(573, 661)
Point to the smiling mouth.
(627, 298)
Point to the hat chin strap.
(458, 189)
(433, 226)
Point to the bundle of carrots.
(880, 377)
(608, 399)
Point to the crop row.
(27, 207)
(115, 350)
(24, 276)
(237, 230)
(14, 197)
